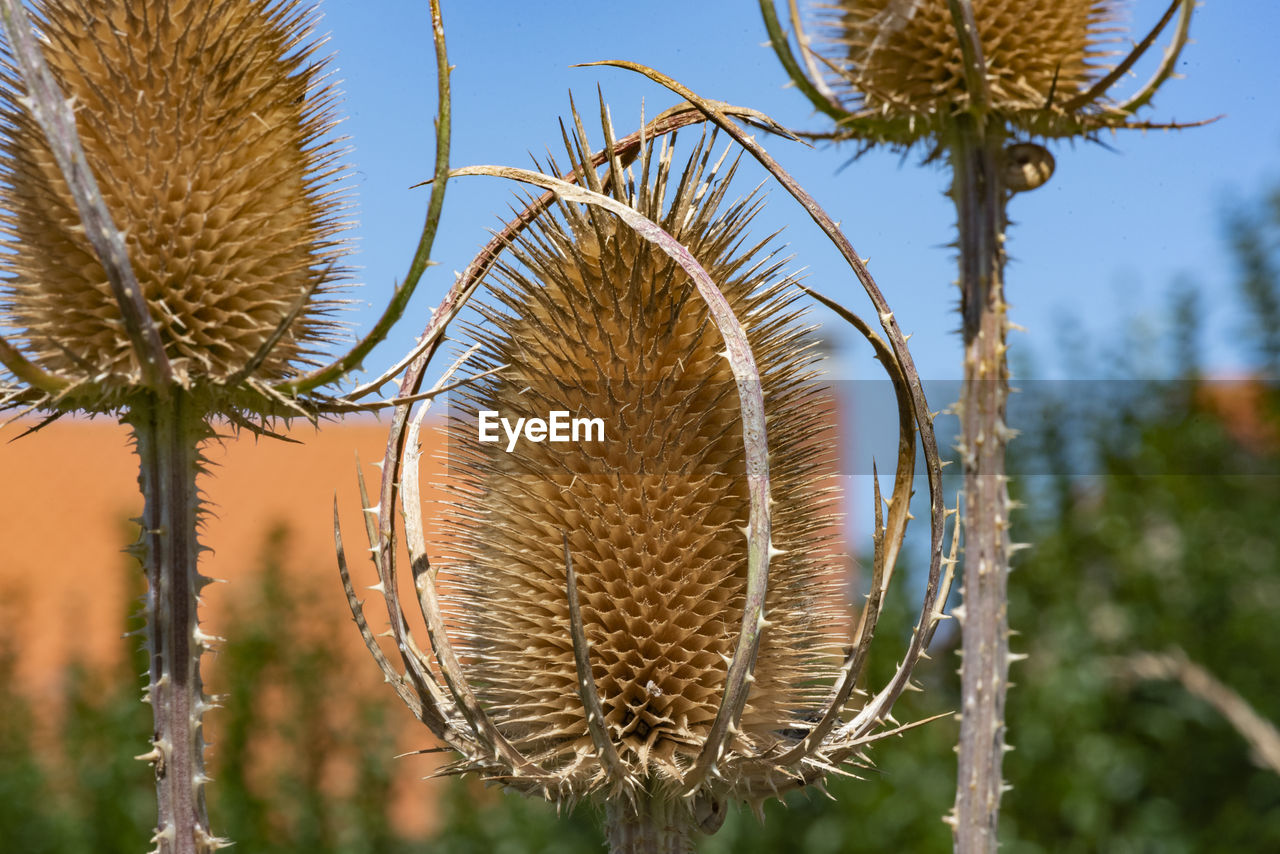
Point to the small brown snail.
(1027, 165)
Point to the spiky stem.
(650, 825)
(168, 435)
(980, 198)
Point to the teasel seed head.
(592, 320)
(903, 73)
(904, 61)
(207, 127)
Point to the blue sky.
(1099, 245)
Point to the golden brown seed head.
(596, 322)
(205, 125)
(902, 58)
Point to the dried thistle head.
(207, 128)
(170, 244)
(902, 60)
(594, 321)
(653, 615)
(907, 72)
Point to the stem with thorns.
(168, 434)
(980, 197)
(648, 825)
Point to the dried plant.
(651, 514)
(172, 224)
(648, 622)
(976, 81)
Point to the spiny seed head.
(902, 58)
(594, 321)
(205, 125)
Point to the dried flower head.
(904, 62)
(207, 129)
(170, 233)
(903, 72)
(591, 319)
(653, 616)
(971, 80)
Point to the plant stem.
(168, 434)
(652, 825)
(980, 198)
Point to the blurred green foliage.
(302, 757)
(1153, 524)
(77, 788)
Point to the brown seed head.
(205, 125)
(596, 322)
(902, 58)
